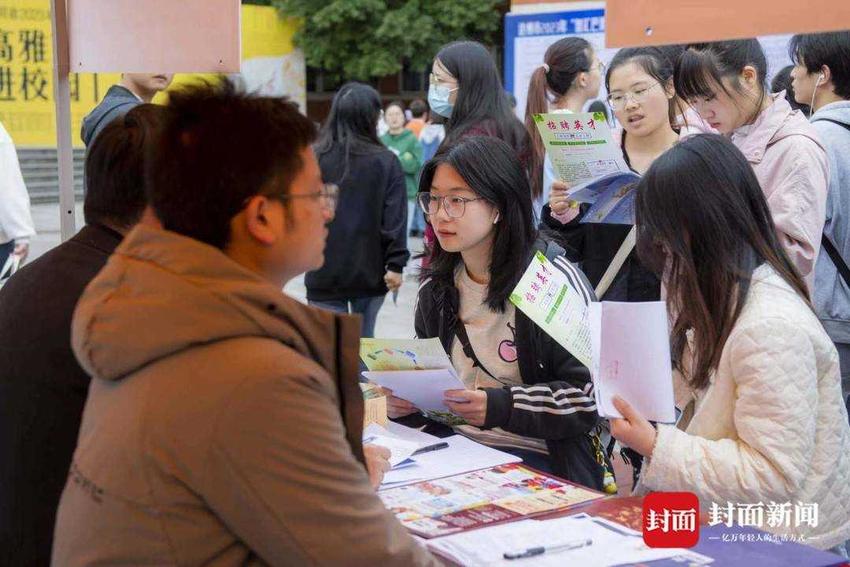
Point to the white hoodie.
(15, 217)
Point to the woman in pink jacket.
(725, 82)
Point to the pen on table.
(429, 448)
(534, 551)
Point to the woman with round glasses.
(524, 393)
(640, 86)
(366, 247)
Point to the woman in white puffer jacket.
(757, 376)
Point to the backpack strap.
(836, 258)
(463, 337)
(827, 244)
(617, 263)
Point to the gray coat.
(117, 102)
(832, 295)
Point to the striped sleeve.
(564, 405)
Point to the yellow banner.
(270, 65)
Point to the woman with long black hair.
(524, 394)
(366, 247)
(466, 91)
(757, 375)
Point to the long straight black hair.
(352, 124)
(493, 171)
(481, 99)
(706, 236)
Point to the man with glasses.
(224, 418)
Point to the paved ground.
(393, 321)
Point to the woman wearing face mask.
(725, 83)
(366, 247)
(757, 376)
(466, 90)
(640, 86)
(525, 394)
(404, 144)
(569, 76)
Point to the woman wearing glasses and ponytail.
(524, 393)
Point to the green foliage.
(363, 39)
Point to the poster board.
(528, 35)
(123, 36)
(657, 22)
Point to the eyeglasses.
(638, 96)
(598, 65)
(328, 194)
(434, 80)
(454, 205)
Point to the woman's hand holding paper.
(563, 208)
(632, 430)
(397, 407)
(471, 405)
(558, 200)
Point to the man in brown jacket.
(223, 424)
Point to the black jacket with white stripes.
(555, 402)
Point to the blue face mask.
(438, 100)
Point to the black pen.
(429, 448)
(534, 551)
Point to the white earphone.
(814, 92)
(495, 220)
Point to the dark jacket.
(42, 390)
(368, 235)
(117, 102)
(593, 246)
(559, 381)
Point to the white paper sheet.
(411, 434)
(423, 388)
(462, 455)
(401, 451)
(486, 546)
(631, 358)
